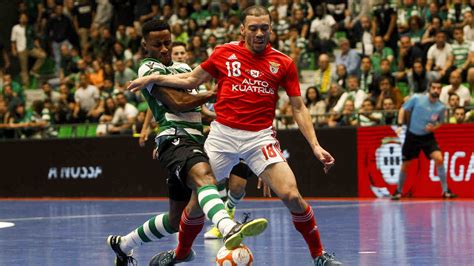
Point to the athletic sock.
(222, 191)
(232, 201)
(401, 180)
(213, 208)
(442, 177)
(306, 225)
(189, 228)
(153, 229)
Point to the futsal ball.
(241, 256)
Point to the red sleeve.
(210, 66)
(290, 81)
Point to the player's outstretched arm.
(179, 81)
(180, 101)
(305, 124)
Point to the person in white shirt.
(86, 98)
(455, 87)
(440, 57)
(355, 93)
(124, 116)
(24, 46)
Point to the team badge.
(255, 73)
(274, 67)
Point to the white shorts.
(225, 146)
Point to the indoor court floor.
(359, 232)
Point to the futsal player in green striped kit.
(193, 194)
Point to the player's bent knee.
(201, 175)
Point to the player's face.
(256, 32)
(158, 45)
(179, 54)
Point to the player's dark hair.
(386, 77)
(256, 11)
(154, 25)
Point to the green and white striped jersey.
(169, 122)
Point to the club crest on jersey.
(274, 67)
(254, 73)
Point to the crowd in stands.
(359, 60)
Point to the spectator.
(348, 57)
(468, 28)
(384, 20)
(405, 13)
(86, 98)
(59, 32)
(18, 121)
(455, 86)
(367, 76)
(4, 59)
(123, 75)
(121, 36)
(321, 31)
(15, 86)
(104, 13)
(96, 77)
(49, 94)
(382, 52)
(24, 44)
(419, 80)
(334, 94)
(138, 126)
(361, 37)
(340, 76)
(3, 118)
(384, 72)
(181, 17)
(459, 116)
(440, 57)
(316, 106)
(389, 112)
(215, 28)
(106, 45)
(124, 116)
(346, 118)
(123, 12)
(120, 53)
(323, 74)
(179, 35)
(456, 14)
(429, 37)
(354, 92)
(10, 97)
(416, 30)
(297, 48)
(301, 23)
(387, 89)
(461, 51)
(201, 15)
(63, 111)
(279, 24)
(40, 120)
(179, 52)
(144, 11)
(453, 101)
(408, 54)
(109, 109)
(83, 14)
(367, 116)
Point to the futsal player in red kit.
(248, 75)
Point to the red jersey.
(248, 84)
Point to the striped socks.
(214, 209)
(152, 230)
(306, 225)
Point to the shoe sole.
(252, 228)
(212, 236)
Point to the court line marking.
(6, 225)
(39, 218)
(367, 252)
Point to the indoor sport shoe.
(396, 195)
(326, 259)
(121, 259)
(214, 232)
(241, 230)
(166, 258)
(449, 195)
